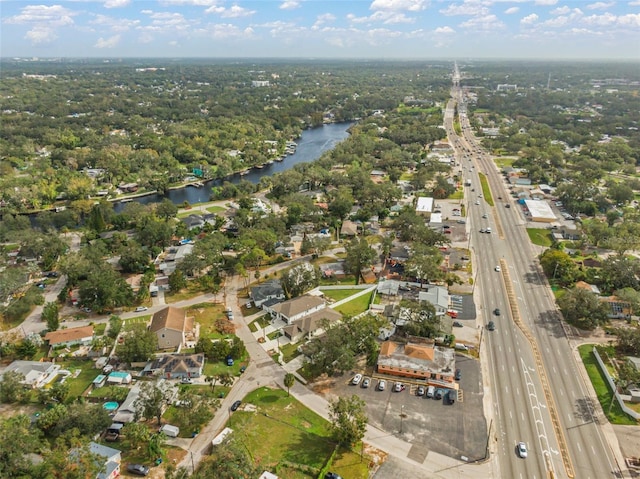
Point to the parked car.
(450, 397)
(332, 475)
(356, 379)
(398, 387)
(140, 309)
(382, 385)
(420, 391)
(458, 375)
(457, 324)
(522, 450)
(366, 383)
(236, 405)
(138, 469)
(438, 394)
(186, 380)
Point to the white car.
(356, 379)
(477, 202)
(140, 309)
(498, 269)
(382, 385)
(522, 450)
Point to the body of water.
(311, 145)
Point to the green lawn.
(216, 209)
(457, 195)
(486, 191)
(540, 236)
(339, 294)
(355, 306)
(79, 384)
(289, 352)
(504, 161)
(613, 412)
(98, 329)
(299, 443)
(131, 322)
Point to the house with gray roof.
(176, 366)
(36, 374)
(266, 291)
(311, 324)
(296, 308)
(436, 295)
(129, 411)
(110, 460)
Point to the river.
(311, 145)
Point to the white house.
(36, 374)
(436, 295)
(296, 308)
(424, 206)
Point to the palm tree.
(289, 380)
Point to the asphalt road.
(521, 410)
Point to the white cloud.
(322, 19)
(228, 31)
(546, 2)
(166, 22)
(529, 19)
(395, 5)
(512, 10)
(466, 8)
(289, 5)
(234, 12)
(631, 19)
(44, 21)
(116, 3)
(386, 17)
(484, 23)
(600, 5)
(41, 34)
(195, 3)
(603, 20)
(560, 10)
(634, 3)
(115, 24)
(107, 42)
(444, 30)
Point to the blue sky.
(384, 29)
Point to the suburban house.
(310, 324)
(268, 291)
(418, 359)
(333, 270)
(36, 374)
(70, 337)
(436, 295)
(592, 288)
(296, 308)
(172, 327)
(349, 228)
(129, 410)
(176, 366)
(618, 309)
(110, 460)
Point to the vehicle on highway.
(140, 309)
(483, 230)
(477, 202)
(496, 311)
(458, 375)
(366, 383)
(457, 324)
(420, 391)
(356, 379)
(398, 387)
(485, 215)
(522, 450)
(488, 230)
(236, 405)
(491, 326)
(498, 269)
(507, 205)
(461, 222)
(138, 469)
(382, 385)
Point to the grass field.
(216, 209)
(339, 294)
(87, 374)
(457, 195)
(614, 413)
(130, 323)
(355, 306)
(299, 443)
(540, 236)
(486, 191)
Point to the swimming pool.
(110, 406)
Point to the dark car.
(438, 394)
(458, 375)
(496, 311)
(236, 405)
(450, 397)
(457, 324)
(491, 326)
(138, 469)
(332, 475)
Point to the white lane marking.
(579, 448)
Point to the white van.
(431, 390)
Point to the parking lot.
(457, 430)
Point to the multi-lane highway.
(539, 396)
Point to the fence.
(613, 387)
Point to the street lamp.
(401, 417)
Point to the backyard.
(299, 445)
(355, 306)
